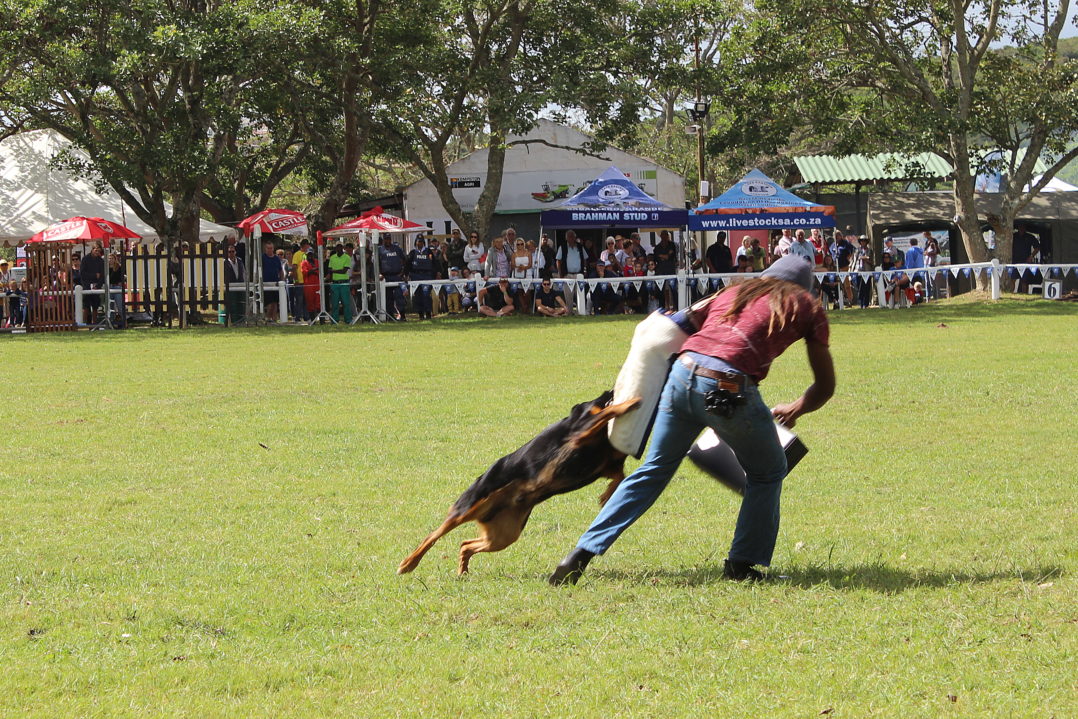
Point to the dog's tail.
(412, 560)
(597, 421)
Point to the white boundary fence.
(682, 284)
(704, 283)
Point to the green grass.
(159, 561)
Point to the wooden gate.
(50, 297)
(160, 286)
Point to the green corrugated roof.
(831, 169)
(834, 170)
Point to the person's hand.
(786, 414)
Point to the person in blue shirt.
(421, 266)
(915, 256)
(391, 263)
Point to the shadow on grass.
(873, 577)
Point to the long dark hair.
(781, 297)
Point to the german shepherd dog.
(567, 455)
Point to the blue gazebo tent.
(757, 202)
(613, 200)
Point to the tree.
(929, 76)
(490, 71)
(151, 91)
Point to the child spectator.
(453, 303)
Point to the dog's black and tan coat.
(567, 455)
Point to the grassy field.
(207, 523)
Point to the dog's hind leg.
(412, 560)
(496, 534)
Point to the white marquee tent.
(34, 195)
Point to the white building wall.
(537, 176)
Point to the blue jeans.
(681, 417)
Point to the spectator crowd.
(513, 275)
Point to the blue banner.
(603, 217)
(761, 221)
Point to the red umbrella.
(85, 229)
(376, 221)
(281, 222)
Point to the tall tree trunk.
(488, 199)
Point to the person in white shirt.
(473, 251)
(785, 241)
(804, 249)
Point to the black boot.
(571, 568)
(741, 571)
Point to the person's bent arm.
(821, 389)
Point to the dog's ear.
(595, 423)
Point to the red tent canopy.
(376, 221)
(85, 229)
(281, 222)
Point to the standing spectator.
(745, 248)
(473, 253)
(549, 265)
(842, 251)
(666, 264)
(652, 292)
(592, 248)
(312, 288)
(610, 251)
(441, 271)
(235, 272)
(773, 252)
(271, 275)
(495, 300)
(571, 258)
(549, 302)
(117, 280)
(889, 248)
(915, 256)
(803, 248)
(499, 260)
(437, 251)
(784, 242)
(718, 255)
(932, 250)
(76, 268)
(5, 287)
(391, 260)
(420, 267)
(818, 245)
(299, 306)
(521, 260)
(759, 257)
(635, 248)
(829, 281)
(339, 267)
(665, 255)
(288, 277)
(454, 249)
(93, 278)
(538, 268)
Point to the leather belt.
(742, 381)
